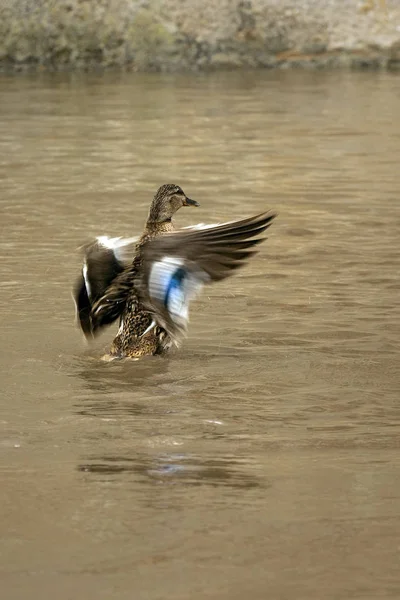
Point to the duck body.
(136, 337)
(150, 292)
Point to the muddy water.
(261, 460)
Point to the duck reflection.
(174, 469)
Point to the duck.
(148, 282)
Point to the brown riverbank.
(170, 35)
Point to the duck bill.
(190, 202)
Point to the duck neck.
(155, 227)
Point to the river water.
(261, 460)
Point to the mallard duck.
(150, 295)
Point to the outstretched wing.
(177, 265)
(104, 261)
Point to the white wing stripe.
(86, 279)
(203, 226)
(116, 244)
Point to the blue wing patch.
(172, 285)
(174, 299)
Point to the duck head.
(168, 199)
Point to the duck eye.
(178, 190)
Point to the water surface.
(261, 460)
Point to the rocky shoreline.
(176, 35)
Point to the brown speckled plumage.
(136, 318)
